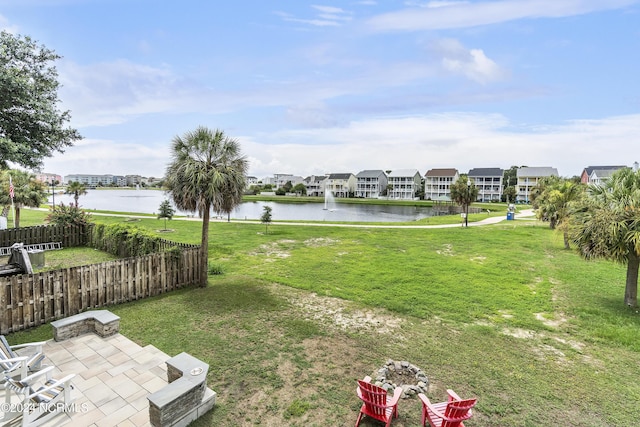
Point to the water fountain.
(328, 198)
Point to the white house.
(341, 184)
(529, 178)
(405, 183)
(437, 183)
(371, 184)
(488, 181)
(315, 185)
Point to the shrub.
(68, 215)
(215, 269)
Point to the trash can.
(36, 256)
(509, 216)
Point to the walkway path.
(524, 214)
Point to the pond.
(148, 201)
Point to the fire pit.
(402, 374)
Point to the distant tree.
(509, 181)
(27, 191)
(68, 215)
(388, 189)
(463, 193)
(287, 186)
(607, 225)
(267, 187)
(31, 126)
(266, 218)
(419, 193)
(510, 176)
(166, 211)
(509, 194)
(254, 189)
(76, 189)
(281, 191)
(300, 188)
(205, 164)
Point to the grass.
(500, 312)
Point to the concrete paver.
(113, 378)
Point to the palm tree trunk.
(566, 240)
(17, 213)
(631, 288)
(204, 248)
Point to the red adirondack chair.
(376, 403)
(446, 414)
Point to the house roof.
(340, 175)
(442, 172)
(590, 169)
(370, 173)
(486, 172)
(537, 171)
(315, 178)
(404, 172)
(603, 173)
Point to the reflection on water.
(148, 201)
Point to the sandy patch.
(336, 312)
(447, 250)
(273, 250)
(552, 323)
(320, 241)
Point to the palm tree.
(77, 189)
(607, 225)
(464, 192)
(554, 204)
(207, 171)
(27, 191)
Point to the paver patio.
(113, 378)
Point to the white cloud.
(434, 4)
(464, 14)
(96, 156)
(328, 16)
(459, 140)
(6, 26)
(471, 63)
(110, 93)
(328, 9)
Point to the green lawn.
(500, 312)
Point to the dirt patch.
(519, 333)
(342, 315)
(273, 250)
(447, 250)
(320, 241)
(552, 323)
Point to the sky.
(317, 87)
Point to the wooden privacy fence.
(69, 235)
(29, 300)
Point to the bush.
(215, 269)
(124, 241)
(68, 215)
